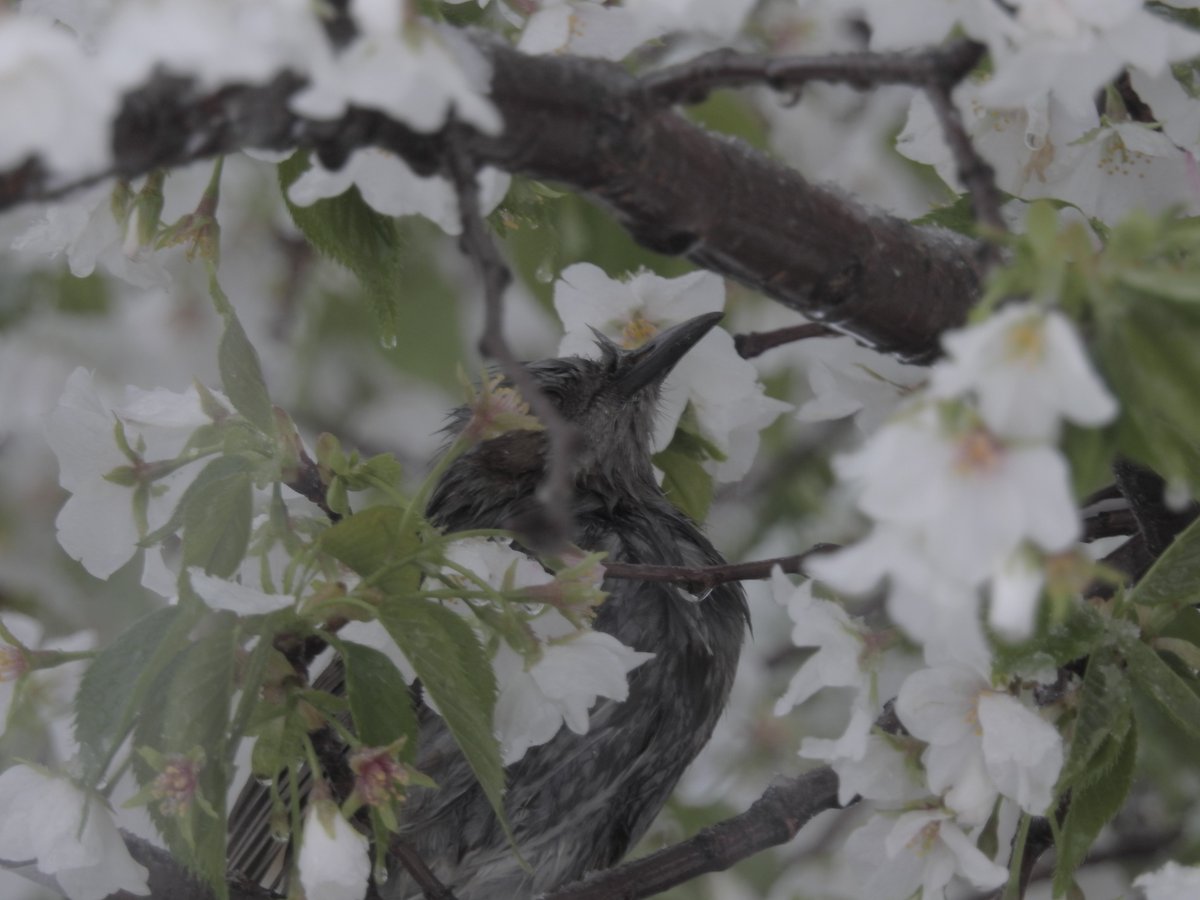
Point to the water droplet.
(545, 272)
(381, 873)
(387, 340)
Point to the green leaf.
(216, 517)
(1091, 452)
(1093, 804)
(241, 375)
(1174, 579)
(372, 539)
(379, 699)
(279, 742)
(1183, 287)
(1080, 633)
(958, 215)
(189, 709)
(348, 231)
(685, 482)
(1105, 713)
(1163, 686)
(112, 688)
(453, 668)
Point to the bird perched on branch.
(577, 803)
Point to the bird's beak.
(652, 361)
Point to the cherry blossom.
(893, 857)
(98, 525)
(1170, 882)
(70, 833)
(334, 861)
(389, 186)
(46, 86)
(413, 72)
(983, 743)
(1029, 371)
(575, 669)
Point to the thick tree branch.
(593, 127)
(772, 820)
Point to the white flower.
(52, 690)
(849, 379)
(1016, 588)
(722, 387)
(40, 818)
(576, 668)
(1074, 47)
(982, 742)
(216, 42)
(414, 73)
(55, 106)
(1041, 148)
(893, 857)
(1170, 882)
(962, 493)
(85, 228)
(492, 561)
(583, 28)
(97, 525)
(389, 186)
(222, 594)
(849, 655)
(334, 860)
(882, 774)
(1028, 369)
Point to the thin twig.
(773, 819)
(550, 529)
(975, 173)
(307, 482)
(711, 576)
(430, 886)
(755, 343)
(691, 82)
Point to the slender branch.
(755, 343)
(691, 82)
(976, 174)
(773, 819)
(430, 886)
(710, 576)
(307, 482)
(551, 528)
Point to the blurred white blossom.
(389, 186)
(334, 861)
(1170, 882)
(98, 525)
(71, 834)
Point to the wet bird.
(578, 803)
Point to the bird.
(578, 803)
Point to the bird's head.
(610, 400)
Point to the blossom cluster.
(969, 499)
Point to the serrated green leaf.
(453, 668)
(1080, 633)
(218, 470)
(351, 233)
(958, 215)
(242, 377)
(216, 520)
(372, 539)
(280, 740)
(685, 482)
(1105, 713)
(1093, 804)
(1161, 684)
(379, 700)
(189, 709)
(1174, 579)
(112, 688)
